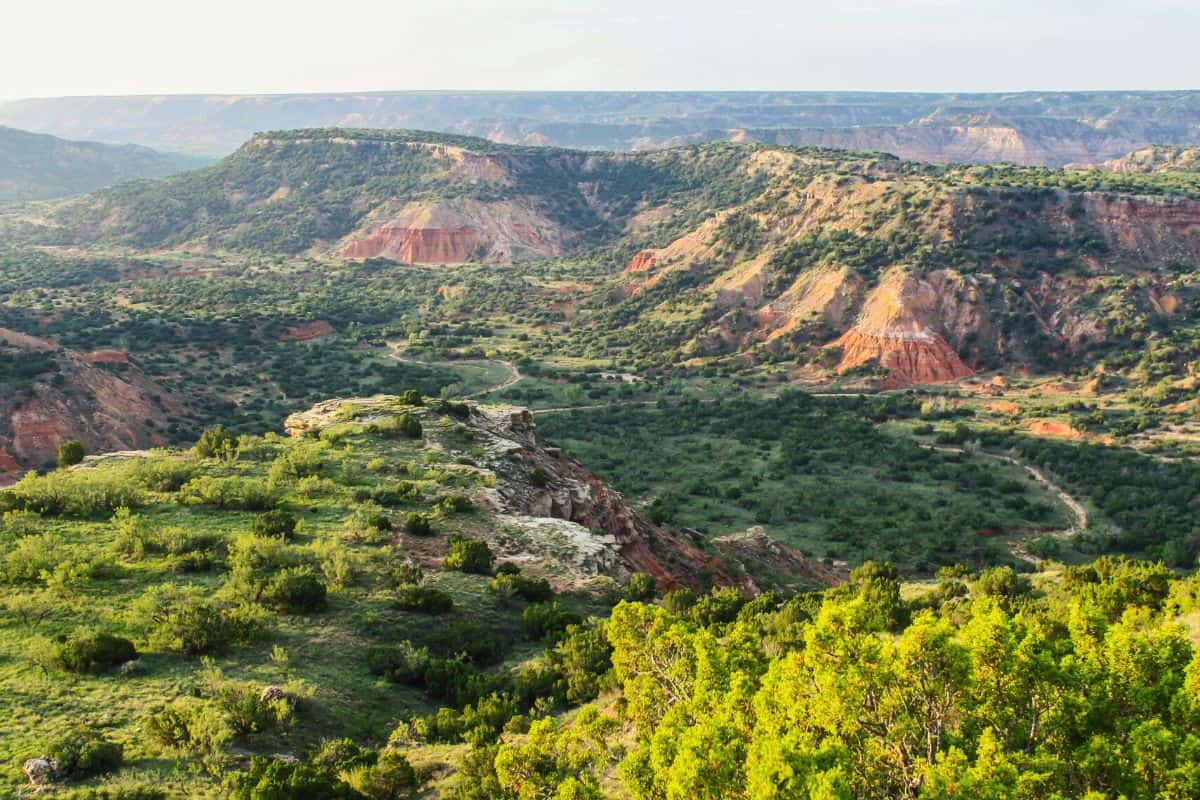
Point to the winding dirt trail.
(514, 374)
(1078, 512)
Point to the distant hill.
(1156, 158)
(1029, 128)
(36, 166)
(857, 264)
(410, 196)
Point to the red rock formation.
(417, 245)
(317, 329)
(642, 261)
(455, 232)
(910, 359)
(106, 357)
(102, 409)
(9, 468)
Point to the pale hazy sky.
(74, 47)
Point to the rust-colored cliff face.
(455, 233)
(104, 410)
(642, 261)
(894, 329)
(416, 245)
(1153, 226)
(910, 359)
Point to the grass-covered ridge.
(256, 595)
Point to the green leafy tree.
(70, 453)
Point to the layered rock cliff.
(83, 398)
(457, 232)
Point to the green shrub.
(216, 443)
(412, 397)
(298, 590)
(424, 599)
(407, 573)
(678, 601)
(338, 755)
(401, 425)
(276, 522)
(275, 779)
(240, 494)
(479, 642)
(534, 590)
(641, 586)
(70, 453)
(1045, 547)
(417, 525)
(91, 652)
(718, 607)
(390, 778)
(79, 493)
(253, 562)
(469, 555)
(191, 724)
(1001, 582)
(403, 663)
(217, 711)
(32, 557)
(455, 504)
(183, 622)
(548, 621)
(84, 753)
(164, 474)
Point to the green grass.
(325, 651)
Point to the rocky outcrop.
(547, 506)
(1153, 227)
(307, 332)
(1155, 158)
(566, 489)
(894, 330)
(642, 261)
(416, 245)
(775, 566)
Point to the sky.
(85, 47)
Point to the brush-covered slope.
(916, 274)
(409, 196)
(851, 263)
(35, 166)
(391, 557)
